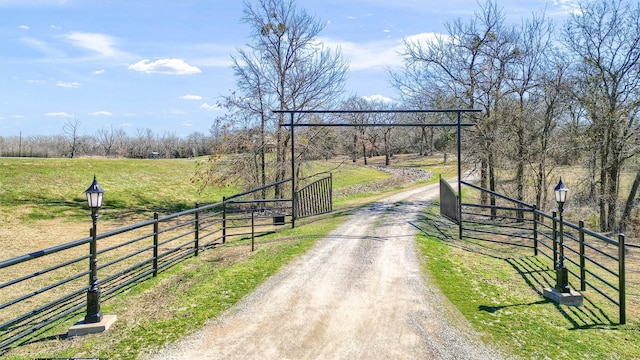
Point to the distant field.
(42, 201)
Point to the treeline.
(108, 143)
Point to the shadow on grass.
(535, 272)
(493, 309)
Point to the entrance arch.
(293, 125)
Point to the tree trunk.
(492, 185)
(630, 203)
(280, 161)
(520, 171)
(602, 192)
(263, 174)
(354, 153)
(364, 153)
(387, 149)
(484, 181)
(612, 198)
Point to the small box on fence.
(278, 220)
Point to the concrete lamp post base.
(571, 298)
(81, 328)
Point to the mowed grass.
(42, 201)
(54, 188)
(499, 290)
(185, 296)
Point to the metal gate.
(314, 199)
(449, 202)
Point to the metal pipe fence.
(594, 261)
(42, 288)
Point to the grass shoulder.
(498, 295)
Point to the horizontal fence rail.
(594, 261)
(42, 288)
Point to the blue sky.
(163, 65)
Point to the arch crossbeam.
(292, 125)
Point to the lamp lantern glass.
(560, 192)
(94, 195)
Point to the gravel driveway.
(358, 294)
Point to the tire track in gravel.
(358, 294)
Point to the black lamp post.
(94, 198)
(562, 275)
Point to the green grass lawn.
(34, 191)
(50, 191)
(497, 291)
(54, 188)
(500, 293)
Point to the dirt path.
(358, 294)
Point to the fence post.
(555, 238)
(197, 230)
(535, 230)
(583, 282)
(294, 205)
(459, 209)
(621, 280)
(224, 219)
(253, 232)
(155, 244)
(330, 192)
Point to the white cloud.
(567, 7)
(209, 107)
(66, 84)
(101, 113)
(57, 114)
(177, 112)
(96, 42)
(371, 55)
(187, 124)
(374, 54)
(424, 37)
(165, 66)
(31, 81)
(24, 27)
(191, 97)
(99, 72)
(42, 47)
(378, 98)
(17, 116)
(130, 114)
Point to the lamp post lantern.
(562, 274)
(94, 199)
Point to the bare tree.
(526, 80)
(107, 140)
(284, 67)
(604, 38)
(471, 64)
(72, 137)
